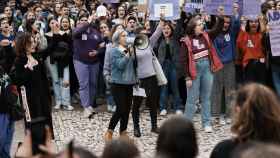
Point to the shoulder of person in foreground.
(224, 149)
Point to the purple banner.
(212, 6)
(251, 8)
(111, 1)
(191, 7)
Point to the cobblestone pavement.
(89, 132)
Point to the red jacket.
(216, 63)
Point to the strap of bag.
(135, 65)
(25, 104)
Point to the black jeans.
(255, 71)
(122, 95)
(152, 101)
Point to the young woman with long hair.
(59, 51)
(201, 63)
(251, 52)
(256, 117)
(31, 79)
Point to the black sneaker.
(137, 132)
(155, 130)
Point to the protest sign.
(274, 32)
(111, 1)
(212, 6)
(191, 7)
(169, 8)
(251, 8)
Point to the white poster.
(165, 9)
(169, 8)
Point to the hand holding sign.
(169, 8)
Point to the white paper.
(140, 92)
(84, 37)
(166, 9)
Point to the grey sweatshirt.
(144, 57)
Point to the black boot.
(153, 114)
(155, 130)
(135, 117)
(137, 132)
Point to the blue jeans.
(169, 70)
(6, 135)
(109, 97)
(276, 78)
(61, 91)
(200, 90)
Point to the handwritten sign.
(274, 32)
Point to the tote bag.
(159, 72)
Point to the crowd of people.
(54, 54)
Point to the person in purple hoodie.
(86, 42)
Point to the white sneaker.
(179, 112)
(114, 108)
(222, 120)
(163, 112)
(228, 120)
(208, 129)
(68, 107)
(109, 108)
(87, 112)
(57, 107)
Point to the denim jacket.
(123, 71)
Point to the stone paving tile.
(89, 132)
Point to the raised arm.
(217, 28)
(156, 35)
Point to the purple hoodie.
(85, 39)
